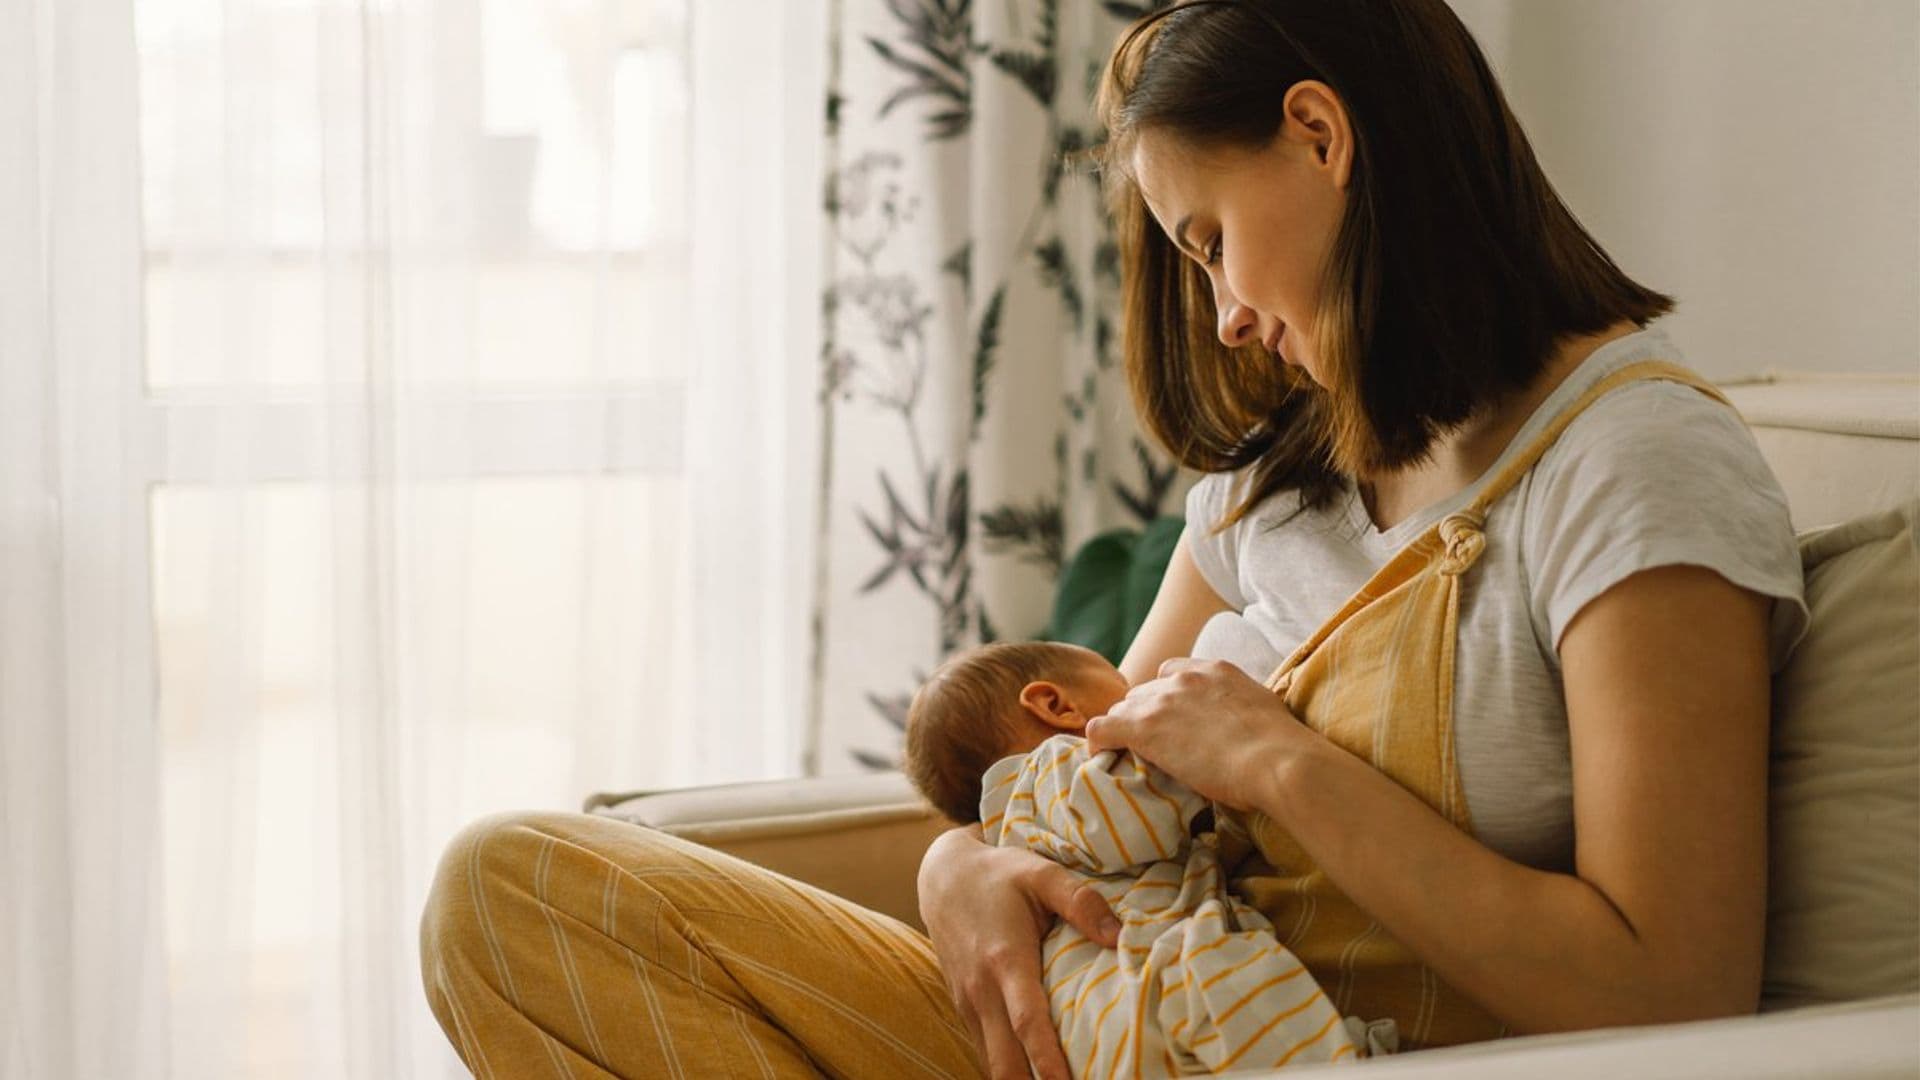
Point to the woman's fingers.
(1105, 733)
(1114, 731)
(1118, 730)
(1072, 899)
(986, 910)
(972, 1018)
(1031, 1021)
(1173, 664)
(999, 1045)
(1121, 726)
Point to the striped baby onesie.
(1199, 983)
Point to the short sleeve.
(1651, 475)
(1216, 554)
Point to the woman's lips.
(1275, 347)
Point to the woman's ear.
(1315, 115)
(1048, 703)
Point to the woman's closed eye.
(1211, 253)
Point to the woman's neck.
(1481, 444)
(1463, 454)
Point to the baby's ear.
(1047, 702)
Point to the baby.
(1199, 983)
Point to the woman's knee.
(524, 946)
(498, 858)
(450, 923)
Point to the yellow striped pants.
(565, 945)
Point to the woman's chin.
(1299, 369)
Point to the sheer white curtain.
(82, 967)
(403, 413)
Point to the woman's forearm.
(1541, 951)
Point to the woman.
(1521, 583)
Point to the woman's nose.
(1238, 324)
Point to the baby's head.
(994, 701)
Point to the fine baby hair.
(967, 715)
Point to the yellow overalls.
(1377, 680)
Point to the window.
(419, 366)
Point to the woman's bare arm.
(1182, 606)
(1666, 679)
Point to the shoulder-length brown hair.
(1453, 275)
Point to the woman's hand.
(987, 909)
(1209, 726)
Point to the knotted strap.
(1462, 538)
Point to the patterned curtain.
(975, 421)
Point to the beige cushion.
(1843, 916)
(1841, 445)
(858, 837)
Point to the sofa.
(1842, 978)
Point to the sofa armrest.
(859, 837)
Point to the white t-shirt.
(1652, 474)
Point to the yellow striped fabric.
(1377, 680)
(563, 945)
(1199, 984)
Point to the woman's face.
(1260, 223)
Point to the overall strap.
(1452, 545)
(1634, 372)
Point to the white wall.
(1758, 159)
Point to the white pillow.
(1843, 910)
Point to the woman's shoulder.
(1253, 543)
(1656, 473)
(1657, 434)
(1214, 495)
